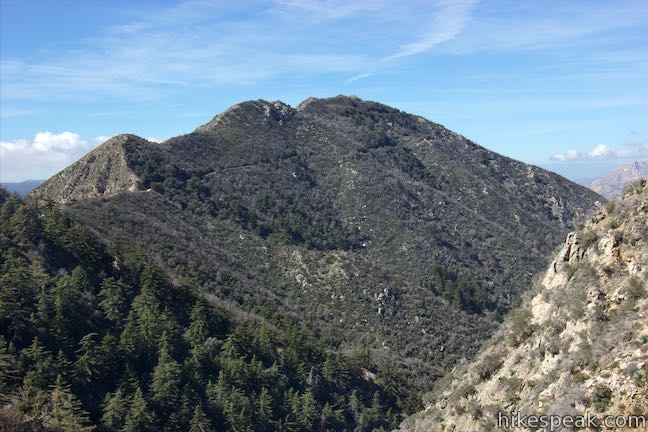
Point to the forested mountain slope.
(577, 344)
(97, 338)
(382, 229)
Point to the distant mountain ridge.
(612, 183)
(23, 187)
(379, 228)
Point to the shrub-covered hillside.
(98, 339)
(578, 344)
(382, 229)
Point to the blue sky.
(559, 84)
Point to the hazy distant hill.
(22, 188)
(577, 344)
(613, 183)
(382, 230)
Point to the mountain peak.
(613, 182)
(339, 99)
(340, 103)
(254, 111)
(101, 173)
(342, 210)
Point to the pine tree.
(165, 387)
(39, 365)
(42, 317)
(66, 413)
(264, 343)
(9, 371)
(139, 417)
(146, 306)
(237, 408)
(26, 224)
(153, 281)
(85, 368)
(308, 410)
(336, 371)
(198, 330)
(114, 299)
(109, 355)
(63, 308)
(129, 340)
(355, 405)
(73, 306)
(32, 399)
(115, 410)
(184, 410)
(63, 366)
(264, 414)
(17, 294)
(330, 419)
(375, 412)
(56, 224)
(83, 245)
(195, 364)
(199, 421)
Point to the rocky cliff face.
(102, 173)
(613, 183)
(579, 343)
(384, 231)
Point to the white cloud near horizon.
(41, 156)
(631, 150)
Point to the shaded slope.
(578, 344)
(99, 339)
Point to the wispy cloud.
(464, 27)
(446, 24)
(202, 43)
(358, 77)
(207, 44)
(522, 26)
(193, 44)
(14, 112)
(448, 19)
(631, 150)
(322, 10)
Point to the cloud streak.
(193, 44)
(206, 44)
(446, 23)
(631, 150)
(449, 21)
(358, 77)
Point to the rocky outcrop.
(271, 112)
(103, 172)
(578, 344)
